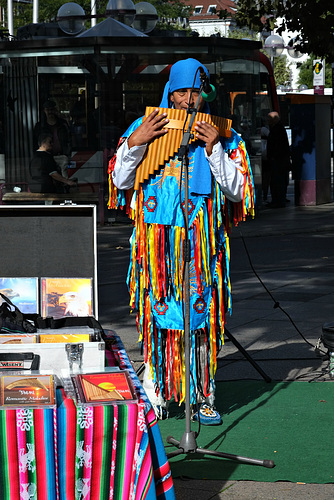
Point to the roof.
(110, 27)
(228, 5)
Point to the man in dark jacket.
(278, 154)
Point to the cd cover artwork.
(27, 390)
(49, 338)
(104, 387)
(67, 297)
(22, 292)
(23, 338)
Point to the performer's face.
(184, 98)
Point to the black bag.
(14, 321)
(70, 321)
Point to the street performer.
(221, 192)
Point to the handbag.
(12, 320)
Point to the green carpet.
(291, 423)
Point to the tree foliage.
(169, 13)
(240, 33)
(282, 73)
(313, 20)
(171, 9)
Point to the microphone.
(209, 92)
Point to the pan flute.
(165, 147)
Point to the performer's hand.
(151, 128)
(207, 133)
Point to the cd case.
(30, 390)
(104, 388)
(18, 338)
(22, 292)
(55, 338)
(67, 297)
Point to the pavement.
(282, 274)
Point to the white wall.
(287, 36)
(210, 27)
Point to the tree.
(169, 13)
(313, 20)
(305, 76)
(282, 71)
(171, 9)
(240, 33)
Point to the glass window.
(212, 9)
(99, 87)
(198, 10)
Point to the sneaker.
(207, 415)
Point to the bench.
(12, 198)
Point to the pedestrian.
(278, 154)
(220, 192)
(265, 162)
(52, 123)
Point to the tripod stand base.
(188, 445)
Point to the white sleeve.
(228, 173)
(127, 160)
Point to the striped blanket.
(87, 453)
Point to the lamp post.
(10, 17)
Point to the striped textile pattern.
(88, 452)
(27, 454)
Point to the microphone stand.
(188, 443)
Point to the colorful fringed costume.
(155, 277)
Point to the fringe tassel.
(247, 205)
(112, 201)
(117, 197)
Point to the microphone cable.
(276, 303)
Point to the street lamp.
(146, 17)
(302, 87)
(71, 18)
(122, 10)
(274, 45)
(292, 51)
